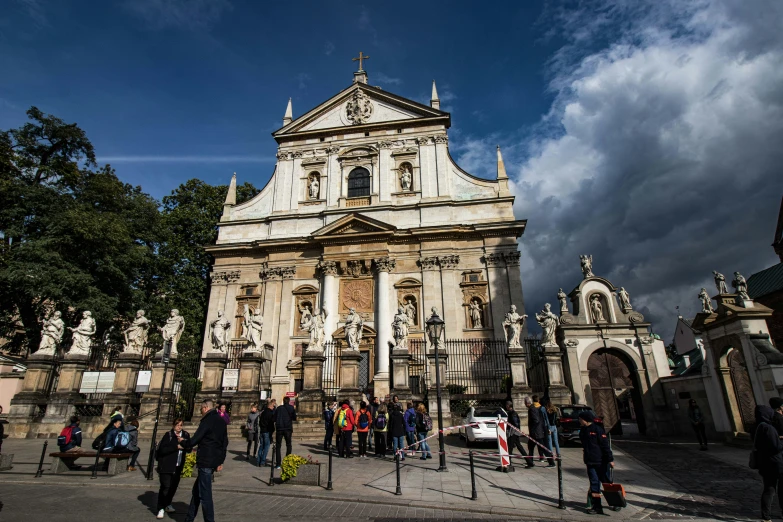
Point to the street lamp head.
(435, 326)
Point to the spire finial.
(289, 113)
(434, 101)
(231, 196)
(501, 166)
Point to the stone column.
(349, 374)
(520, 387)
(558, 391)
(500, 300)
(249, 386)
(150, 400)
(212, 382)
(310, 400)
(329, 295)
(383, 320)
(61, 402)
(34, 394)
(515, 285)
(126, 373)
(400, 361)
(432, 394)
(452, 297)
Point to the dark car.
(568, 427)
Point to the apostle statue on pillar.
(512, 327)
(548, 322)
(706, 302)
(316, 326)
(561, 296)
(136, 334)
(353, 330)
(219, 332)
(51, 334)
(82, 335)
(720, 282)
(172, 331)
(254, 331)
(587, 265)
(247, 316)
(400, 327)
(740, 287)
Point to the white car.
(483, 424)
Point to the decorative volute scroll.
(385, 264)
(327, 267)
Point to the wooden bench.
(118, 462)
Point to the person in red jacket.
(346, 422)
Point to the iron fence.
(418, 369)
(186, 384)
(330, 381)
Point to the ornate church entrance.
(615, 393)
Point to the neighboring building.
(766, 287)
(689, 348)
(366, 210)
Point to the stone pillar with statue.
(557, 390)
(251, 363)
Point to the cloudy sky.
(648, 134)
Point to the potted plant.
(300, 470)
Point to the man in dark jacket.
(285, 416)
(397, 431)
(211, 437)
(266, 427)
(74, 444)
(769, 459)
(776, 403)
(373, 408)
(597, 457)
(536, 430)
(329, 411)
(511, 434)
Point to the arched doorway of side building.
(616, 392)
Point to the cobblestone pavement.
(715, 484)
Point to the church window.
(358, 183)
(366, 134)
(473, 278)
(399, 131)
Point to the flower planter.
(306, 475)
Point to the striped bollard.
(505, 460)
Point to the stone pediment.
(358, 106)
(354, 224)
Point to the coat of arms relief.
(359, 108)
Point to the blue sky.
(646, 133)
(173, 90)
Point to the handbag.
(753, 461)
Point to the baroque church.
(366, 211)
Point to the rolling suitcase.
(614, 493)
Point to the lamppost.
(434, 331)
(166, 357)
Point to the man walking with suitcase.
(597, 457)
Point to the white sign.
(263, 395)
(105, 382)
(89, 382)
(230, 378)
(143, 381)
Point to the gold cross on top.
(359, 59)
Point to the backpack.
(364, 420)
(342, 420)
(328, 416)
(380, 421)
(412, 421)
(427, 422)
(98, 442)
(121, 439)
(65, 436)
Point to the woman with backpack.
(381, 428)
(423, 427)
(553, 419)
(133, 432)
(171, 460)
(363, 421)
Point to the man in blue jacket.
(597, 457)
(211, 437)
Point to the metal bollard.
(95, 467)
(560, 497)
(272, 471)
(399, 489)
(329, 482)
(473, 493)
(39, 473)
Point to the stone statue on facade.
(315, 327)
(51, 334)
(172, 331)
(353, 330)
(247, 317)
(136, 334)
(596, 309)
(410, 311)
(475, 314)
(304, 317)
(400, 327)
(512, 327)
(740, 287)
(314, 188)
(587, 265)
(706, 302)
(720, 282)
(548, 322)
(219, 332)
(254, 331)
(561, 296)
(406, 178)
(625, 300)
(82, 335)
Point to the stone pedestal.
(150, 400)
(35, 391)
(249, 387)
(432, 393)
(126, 373)
(310, 401)
(520, 387)
(400, 369)
(349, 375)
(212, 381)
(61, 402)
(559, 393)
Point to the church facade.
(366, 211)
